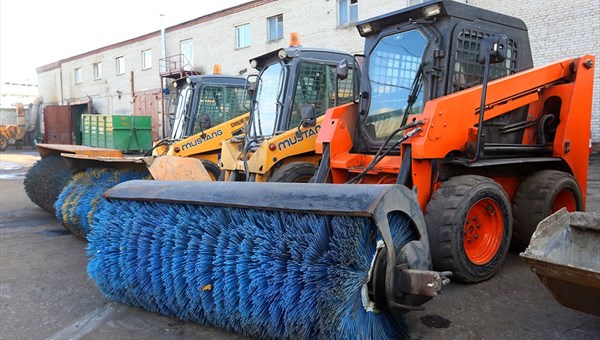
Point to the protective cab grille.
(221, 104)
(316, 86)
(467, 71)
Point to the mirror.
(342, 70)
(251, 87)
(495, 46)
(309, 115)
(204, 121)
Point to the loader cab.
(293, 89)
(205, 101)
(424, 52)
(292, 79)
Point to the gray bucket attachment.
(564, 252)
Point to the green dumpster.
(125, 133)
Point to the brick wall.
(559, 29)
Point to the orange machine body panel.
(449, 123)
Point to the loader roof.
(447, 8)
(297, 51)
(217, 79)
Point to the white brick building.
(118, 77)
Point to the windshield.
(182, 101)
(393, 66)
(267, 101)
(218, 104)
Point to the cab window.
(393, 71)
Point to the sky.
(35, 33)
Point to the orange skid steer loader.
(488, 162)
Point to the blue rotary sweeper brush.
(296, 261)
(79, 199)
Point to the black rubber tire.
(445, 218)
(213, 170)
(534, 199)
(45, 180)
(294, 172)
(3, 143)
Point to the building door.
(148, 103)
(186, 48)
(62, 122)
(57, 124)
(76, 109)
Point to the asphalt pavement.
(45, 292)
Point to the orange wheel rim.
(565, 198)
(483, 231)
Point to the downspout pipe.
(163, 43)
(35, 114)
(163, 68)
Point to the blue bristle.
(204, 268)
(80, 198)
(155, 270)
(180, 254)
(299, 316)
(243, 266)
(219, 276)
(194, 288)
(231, 284)
(264, 274)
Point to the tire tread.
(440, 215)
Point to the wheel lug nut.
(476, 236)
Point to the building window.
(348, 12)
(186, 48)
(97, 71)
(120, 65)
(146, 59)
(242, 36)
(78, 75)
(275, 27)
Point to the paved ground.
(45, 292)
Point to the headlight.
(282, 54)
(431, 11)
(365, 28)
